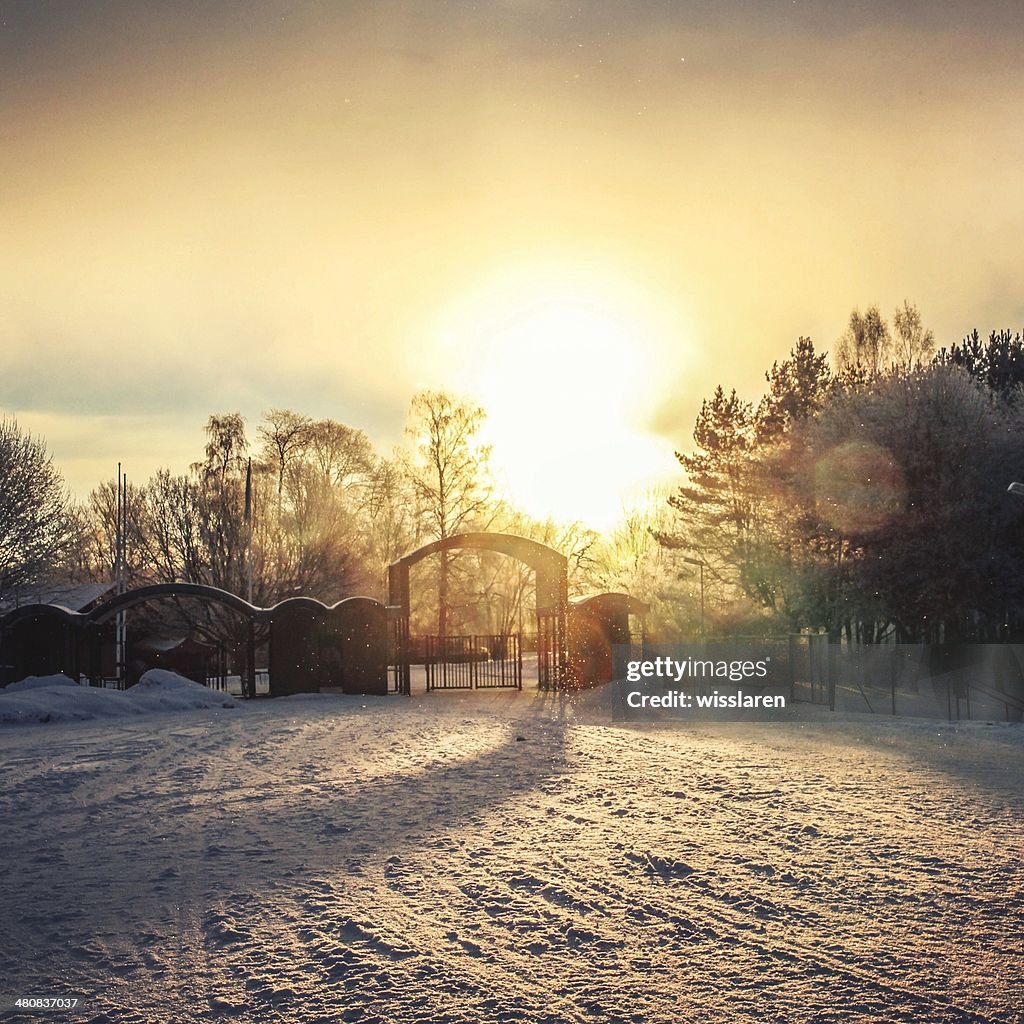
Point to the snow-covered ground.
(511, 857)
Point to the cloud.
(218, 207)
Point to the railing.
(475, 662)
(966, 681)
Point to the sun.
(570, 364)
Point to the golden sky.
(586, 215)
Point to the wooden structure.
(595, 625)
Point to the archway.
(198, 591)
(551, 570)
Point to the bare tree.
(391, 525)
(870, 348)
(226, 446)
(93, 551)
(195, 528)
(448, 470)
(33, 508)
(284, 435)
(341, 453)
(913, 344)
(867, 344)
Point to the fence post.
(251, 659)
(833, 668)
(792, 669)
(892, 677)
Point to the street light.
(1015, 488)
(700, 562)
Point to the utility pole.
(248, 530)
(249, 684)
(120, 581)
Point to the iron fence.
(953, 681)
(474, 662)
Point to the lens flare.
(858, 488)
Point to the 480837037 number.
(45, 1003)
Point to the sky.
(583, 215)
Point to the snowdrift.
(40, 699)
(39, 683)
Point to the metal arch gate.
(552, 597)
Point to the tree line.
(298, 507)
(865, 498)
(863, 495)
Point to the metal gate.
(472, 662)
(398, 652)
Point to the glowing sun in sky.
(570, 362)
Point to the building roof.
(611, 602)
(178, 644)
(76, 597)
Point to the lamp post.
(699, 562)
(1016, 488)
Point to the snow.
(40, 699)
(38, 683)
(160, 690)
(401, 859)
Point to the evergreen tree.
(997, 363)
